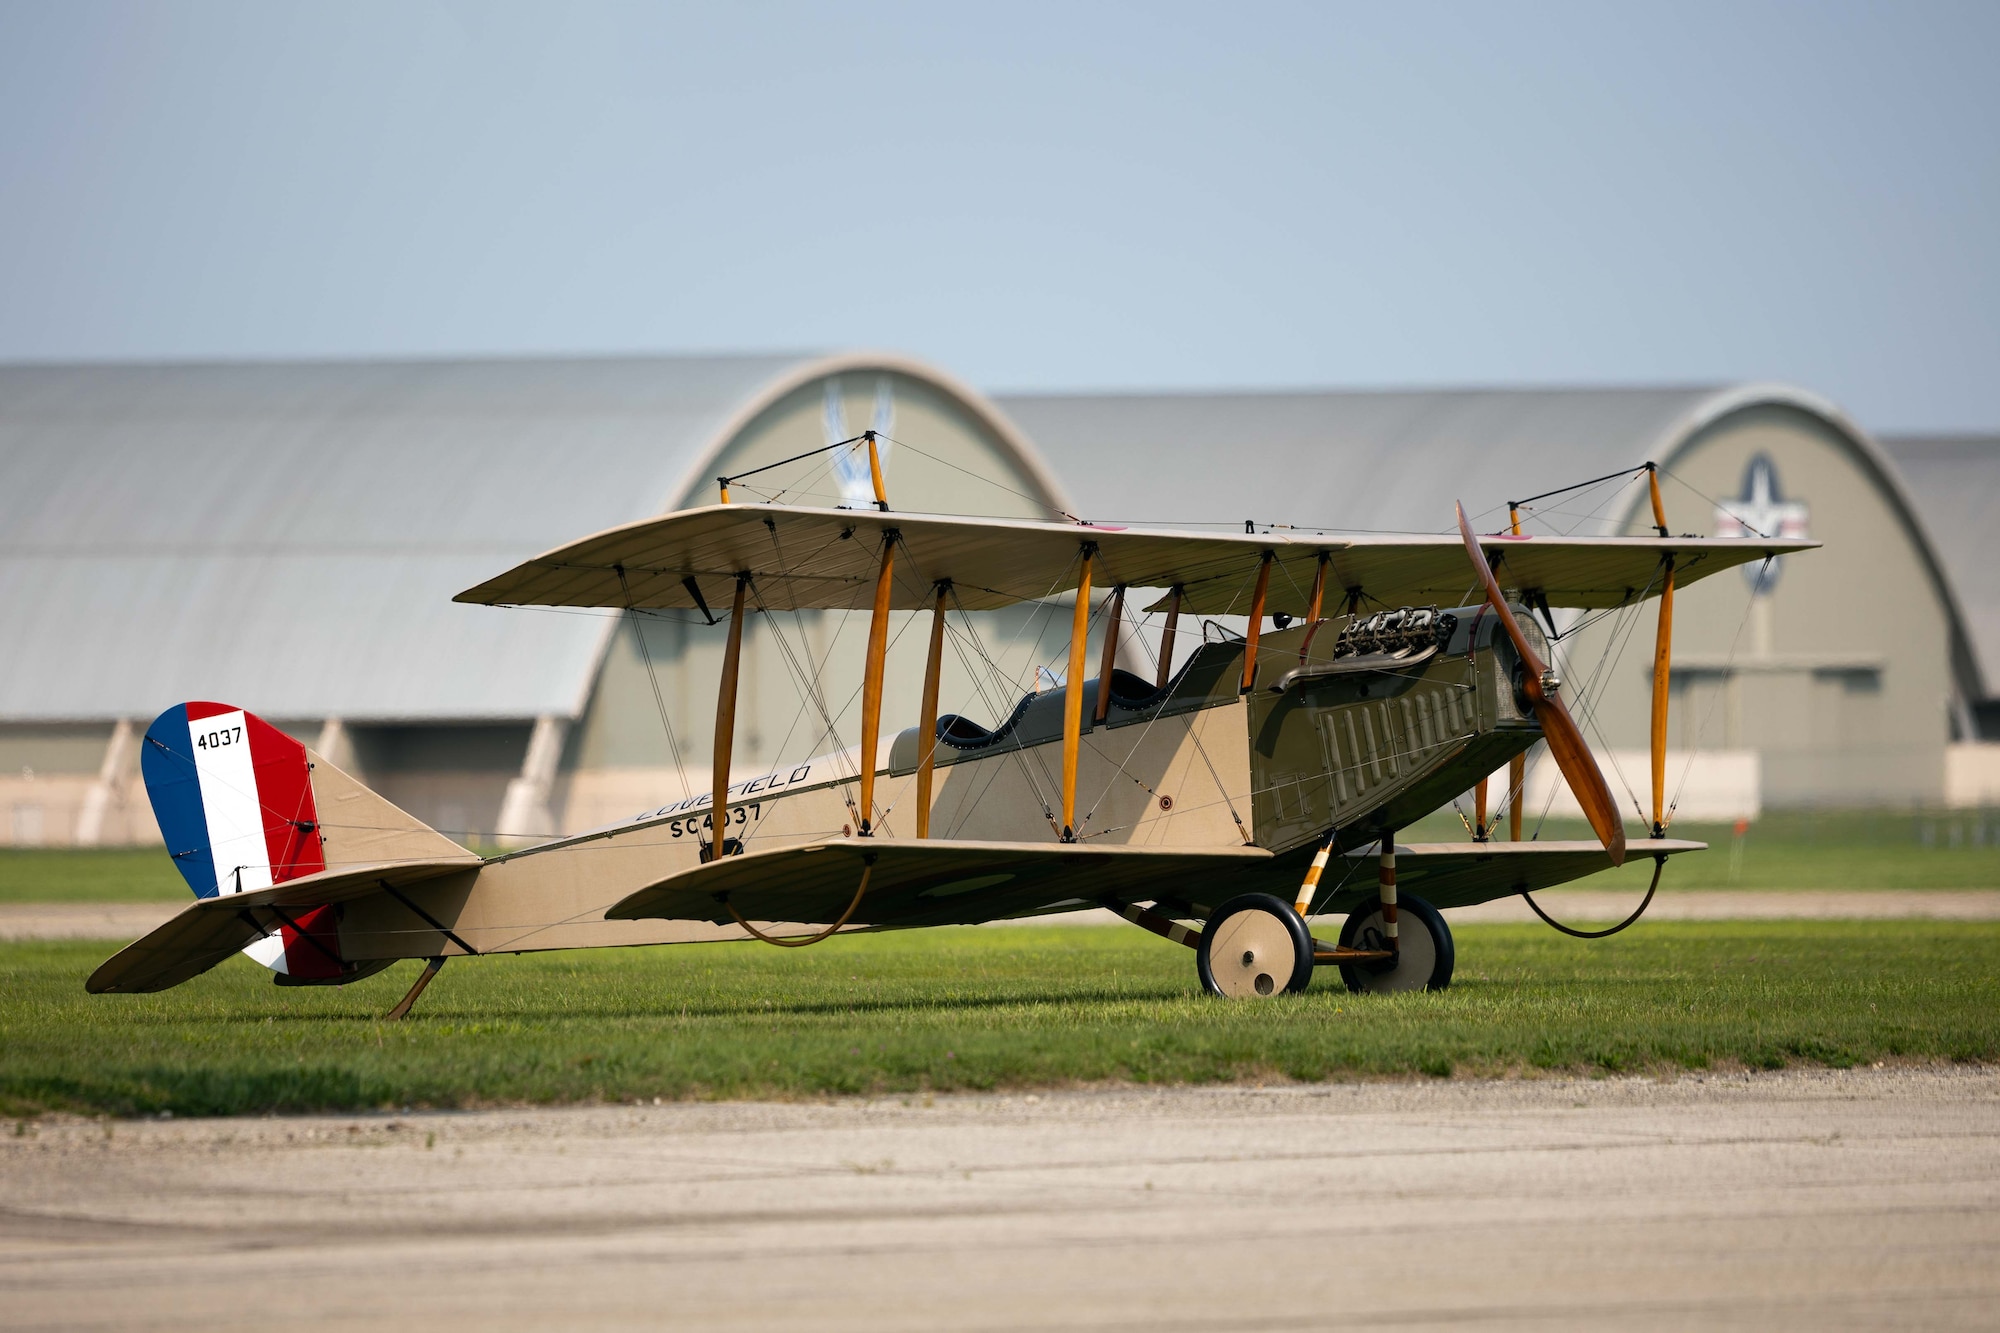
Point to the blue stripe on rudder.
(166, 760)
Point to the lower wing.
(1459, 874)
(935, 883)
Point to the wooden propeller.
(1559, 729)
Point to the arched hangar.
(288, 537)
(1839, 679)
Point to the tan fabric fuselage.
(1178, 782)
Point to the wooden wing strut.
(725, 724)
(871, 682)
(1107, 661)
(1517, 767)
(1256, 621)
(1663, 643)
(1072, 742)
(928, 715)
(1167, 640)
(1315, 605)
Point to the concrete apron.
(1863, 1198)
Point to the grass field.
(121, 875)
(1783, 850)
(1803, 850)
(980, 1008)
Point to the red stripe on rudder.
(302, 959)
(284, 792)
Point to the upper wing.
(209, 930)
(1459, 874)
(933, 883)
(828, 559)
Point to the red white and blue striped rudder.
(233, 796)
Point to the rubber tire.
(1362, 930)
(1218, 927)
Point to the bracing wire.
(1033, 500)
(653, 678)
(1701, 727)
(1193, 735)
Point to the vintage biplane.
(1376, 679)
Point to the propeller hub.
(1551, 682)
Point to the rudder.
(234, 799)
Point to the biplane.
(1244, 788)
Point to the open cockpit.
(1206, 679)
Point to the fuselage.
(1357, 734)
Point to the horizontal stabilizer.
(209, 930)
(1459, 874)
(933, 883)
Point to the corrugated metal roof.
(1395, 460)
(1373, 461)
(1956, 483)
(289, 536)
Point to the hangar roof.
(1956, 482)
(289, 536)
(1394, 460)
(1348, 460)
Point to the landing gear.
(1255, 945)
(1424, 955)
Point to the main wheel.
(1254, 945)
(1424, 958)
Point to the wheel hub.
(1253, 955)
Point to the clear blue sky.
(1036, 197)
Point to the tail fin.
(243, 806)
(234, 798)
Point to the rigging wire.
(1587, 707)
(652, 677)
(1701, 728)
(1046, 612)
(1187, 724)
(809, 681)
(1582, 695)
(1619, 638)
(1578, 494)
(1578, 486)
(958, 637)
(1033, 500)
(811, 697)
(823, 449)
(1713, 502)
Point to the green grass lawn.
(1783, 850)
(112, 875)
(1801, 850)
(981, 1008)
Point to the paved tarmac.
(1821, 1200)
(128, 921)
